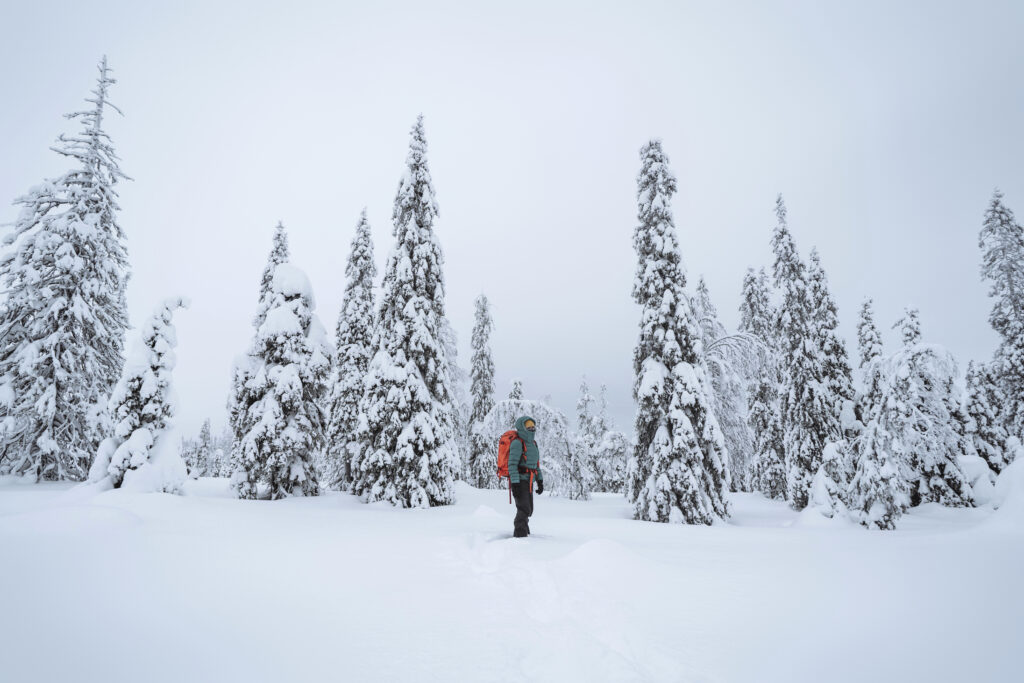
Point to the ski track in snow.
(130, 587)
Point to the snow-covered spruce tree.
(565, 473)
(482, 459)
(585, 410)
(923, 388)
(588, 432)
(278, 254)
(409, 456)
(610, 455)
(204, 451)
(809, 418)
(910, 327)
(241, 397)
(461, 404)
(879, 491)
(282, 420)
(869, 341)
(64, 317)
(601, 423)
(354, 335)
(767, 470)
(869, 348)
(837, 388)
(588, 428)
(516, 393)
(187, 450)
(678, 471)
(959, 420)
(141, 451)
(610, 459)
(1002, 263)
(837, 374)
(224, 443)
(730, 360)
(987, 428)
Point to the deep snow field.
(118, 586)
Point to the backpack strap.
(523, 457)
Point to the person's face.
(530, 425)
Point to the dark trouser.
(524, 506)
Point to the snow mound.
(164, 472)
(1008, 495)
(813, 516)
(486, 512)
(979, 476)
(601, 552)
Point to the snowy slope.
(119, 586)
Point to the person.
(524, 452)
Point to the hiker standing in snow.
(523, 451)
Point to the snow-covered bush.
(829, 487)
(986, 410)
(609, 461)
(924, 390)
(909, 451)
(603, 451)
(142, 450)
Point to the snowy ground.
(202, 587)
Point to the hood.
(523, 432)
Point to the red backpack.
(504, 444)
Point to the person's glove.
(515, 489)
(540, 486)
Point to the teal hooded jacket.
(516, 454)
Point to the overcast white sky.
(886, 125)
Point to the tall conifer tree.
(483, 461)
(835, 360)
(241, 397)
(807, 412)
(838, 422)
(64, 318)
(409, 453)
(354, 335)
(678, 471)
(1002, 264)
(767, 469)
